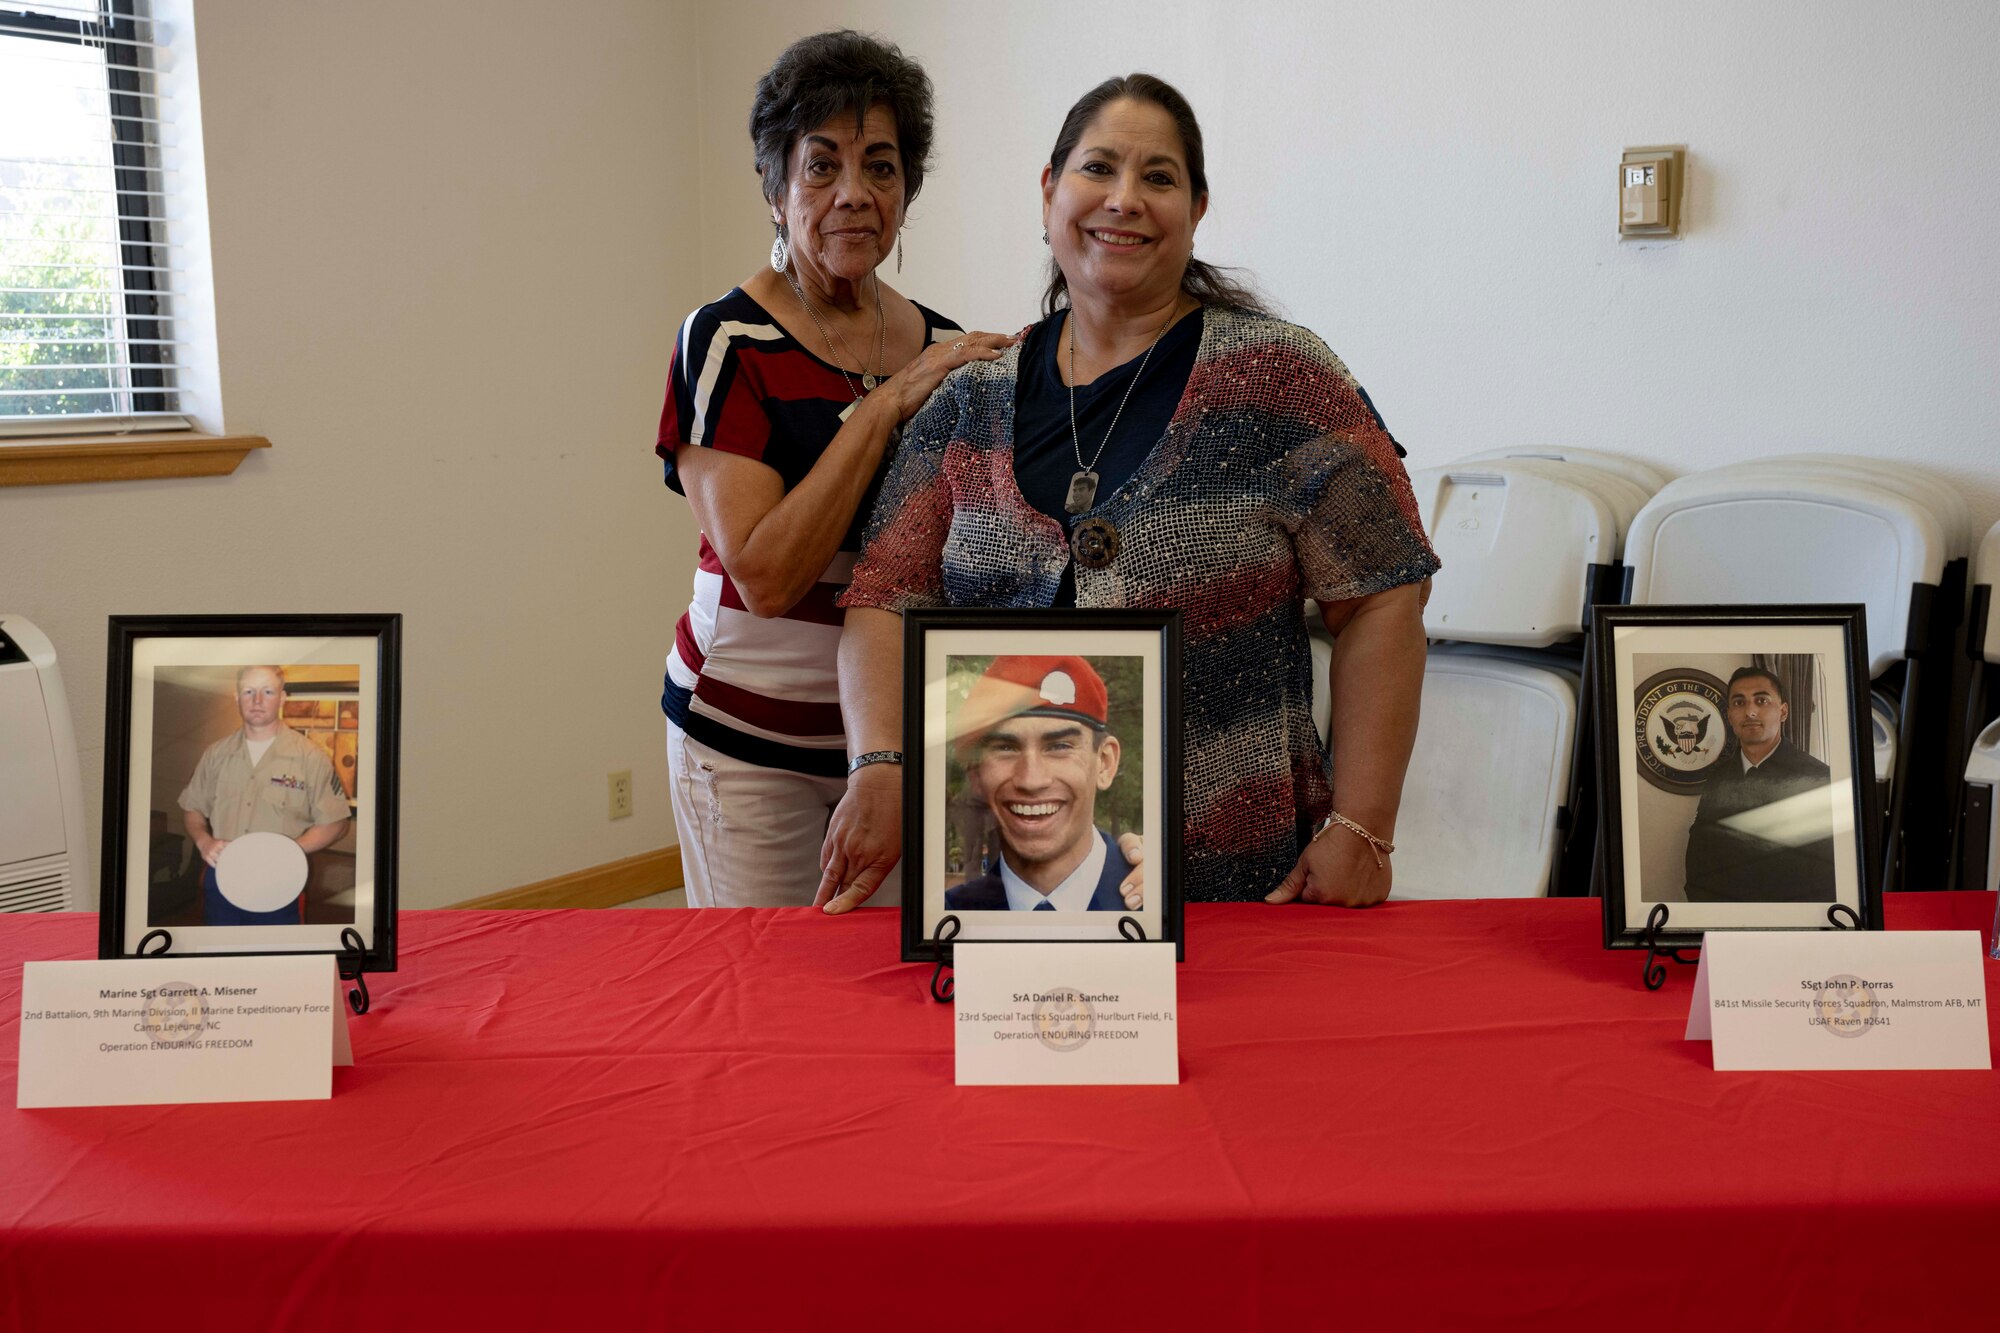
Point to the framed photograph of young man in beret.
(239, 816)
(1735, 771)
(1042, 777)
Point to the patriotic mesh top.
(1275, 481)
(763, 691)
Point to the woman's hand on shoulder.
(912, 386)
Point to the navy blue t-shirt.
(1044, 452)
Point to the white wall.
(1430, 185)
(450, 250)
(452, 245)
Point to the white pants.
(750, 835)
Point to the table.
(1421, 1115)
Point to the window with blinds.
(88, 279)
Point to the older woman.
(783, 398)
(1160, 440)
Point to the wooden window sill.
(58, 460)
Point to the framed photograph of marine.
(1042, 777)
(250, 792)
(1735, 771)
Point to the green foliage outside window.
(55, 257)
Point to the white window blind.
(88, 180)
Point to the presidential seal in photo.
(1681, 732)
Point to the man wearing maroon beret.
(1034, 739)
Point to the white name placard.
(142, 1032)
(1065, 1013)
(1846, 999)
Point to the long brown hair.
(1205, 282)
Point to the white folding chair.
(1765, 532)
(1531, 540)
(1642, 474)
(1322, 665)
(1624, 496)
(1528, 544)
(1933, 493)
(1976, 845)
(1518, 546)
(1488, 779)
(1734, 540)
(1936, 751)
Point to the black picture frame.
(1755, 859)
(942, 650)
(185, 656)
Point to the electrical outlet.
(621, 794)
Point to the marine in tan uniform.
(290, 789)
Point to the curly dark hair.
(821, 76)
(1208, 283)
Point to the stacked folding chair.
(1977, 848)
(1820, 528)
(1499, 798)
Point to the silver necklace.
(867, 381)
(1083, 482)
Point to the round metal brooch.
(1095, 543)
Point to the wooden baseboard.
(607, 885)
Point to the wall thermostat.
(1649, 191)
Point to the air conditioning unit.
(44, 852)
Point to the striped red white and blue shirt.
(764, 691)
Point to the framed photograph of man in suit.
(1042, 788)
(1736, 777)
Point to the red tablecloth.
(1440, 1114)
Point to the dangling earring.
(1045, 236)
(899, 252)
(781, 256)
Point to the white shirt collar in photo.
(1745, 757)
(1072, 895)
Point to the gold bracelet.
(1376, 845)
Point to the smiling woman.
(1160, 440)
(783, 403)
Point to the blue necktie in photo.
(1045, 906)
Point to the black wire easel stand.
(1656, 920)
(944, 933)
(349, 964)
(947, 930)
(1655, 973)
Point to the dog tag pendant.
(1082, 491)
